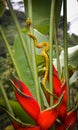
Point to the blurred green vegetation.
(6, 66)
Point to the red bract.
(59, 88)
(68, 121)
(63, 106)
(27, 100)
(43, 119)
(47, 118)
(17, 126)
(56, 81)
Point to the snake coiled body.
(44, 54)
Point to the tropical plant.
(42, 91)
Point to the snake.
(44, 54)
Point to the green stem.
(66, 49)
(10, 52)
(51, 34)
(57, 51)
(5, 99)
(20, 35)
(34, 66)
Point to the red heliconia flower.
(68, 121)
(26, 99)
(59, 88)
(43, 119)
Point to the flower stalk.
(66, 48)
(57, 50)
(51, 37)
(34, 66)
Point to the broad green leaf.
(22, 64)
(41, 14)
(40, 60)
(22, 61)
(2, 7)
(18, 111)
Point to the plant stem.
(10, 52)
(66, 49)
(34, 66)
(5, 99)
(20, 35)
(51, 34)
(57, 51)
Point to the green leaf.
(40, 60)
(22, 61)
(22, 64)
(41, 14)
(2, 7)
(18, 111)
